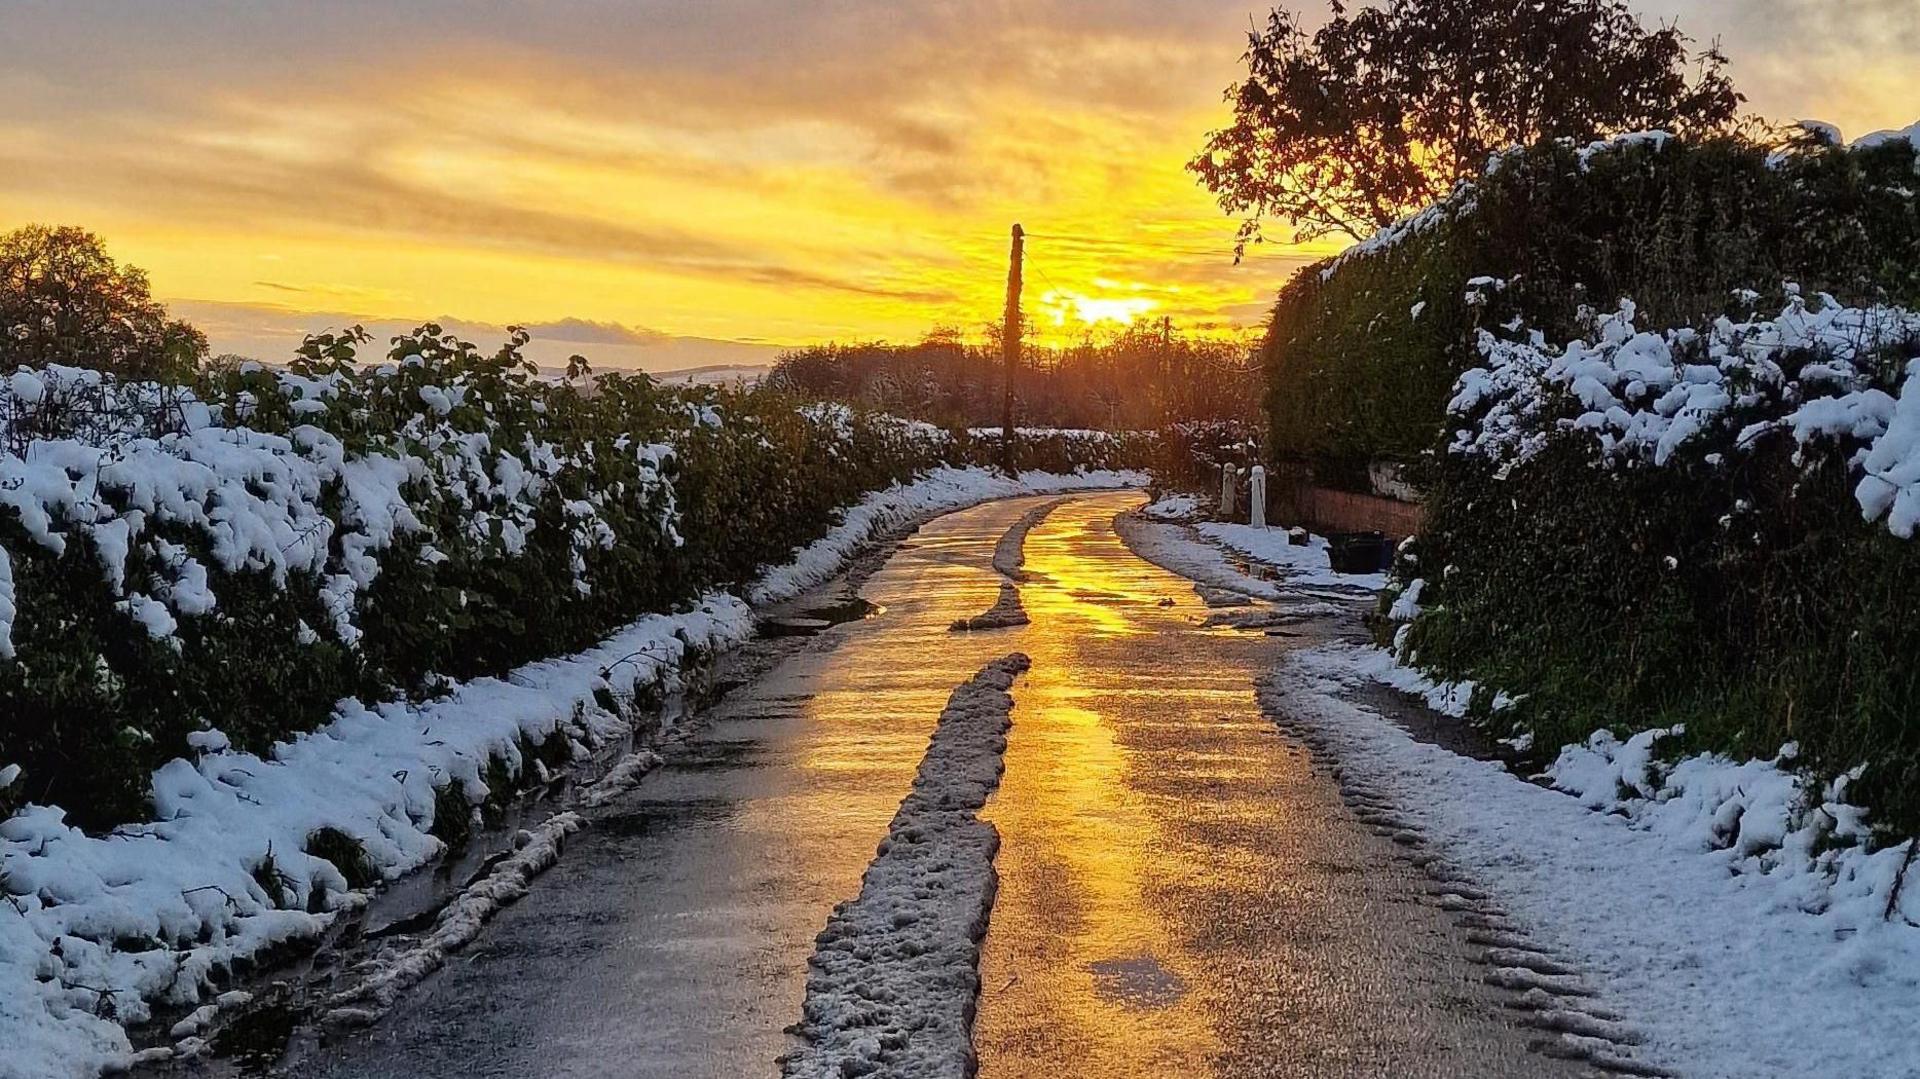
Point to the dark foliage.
(1750, 603)
(1354, 375)
(1383, 110)
(64, 300)
(1137, 379)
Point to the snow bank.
(1754, 947)
(100, 928)
(96, 930)
(1173, 508)
(1173, 548)
(940, 491)
(1307, 565)
(894, 978)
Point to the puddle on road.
(813, 620)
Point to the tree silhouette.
(1382, 111)
(64, 300)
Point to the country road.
(1180, 892)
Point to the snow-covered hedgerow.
(1703, 529)
(1810, 372)
(1361, 357)
(238, 553)
(249, 850)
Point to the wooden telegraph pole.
(1010, 346)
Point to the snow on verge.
(185, 890)
(1219, 583)
(939, 491)
(1173, 548)
(188, 886)
(1173, 507)
(458, 923)
(894, 979)
(1750, 958)
(1305, 564)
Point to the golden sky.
(679, 183)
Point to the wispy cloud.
(708, 171)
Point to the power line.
(1041, 270)
(1108, 242)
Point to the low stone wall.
(1325, 510)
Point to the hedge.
(242, 552)
(1362, 350)
(1710, 527)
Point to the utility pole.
(1010, 345)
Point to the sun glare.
(1094, 310)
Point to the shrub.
(1694, 528)
(242, 551)
(1363, 349)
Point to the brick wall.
(1326, 510)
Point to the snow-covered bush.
(240, 553)
(1362, 352)
(1705, 528)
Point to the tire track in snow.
(1009, 555)
(895, 976)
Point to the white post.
(1258, 495)
(1227, 499)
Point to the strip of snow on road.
(185, 892)
(940, 491)
(1009, 555)
(458, 923)
(894, 979)
(1745, 959)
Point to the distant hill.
(714, 374)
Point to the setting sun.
(1070, 307)
(643, 171)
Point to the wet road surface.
(1181, 895)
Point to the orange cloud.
(737, 169)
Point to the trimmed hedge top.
(1363, 349)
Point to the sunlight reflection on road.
(1181, 894)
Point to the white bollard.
(1227, 494)
(1258, 496)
